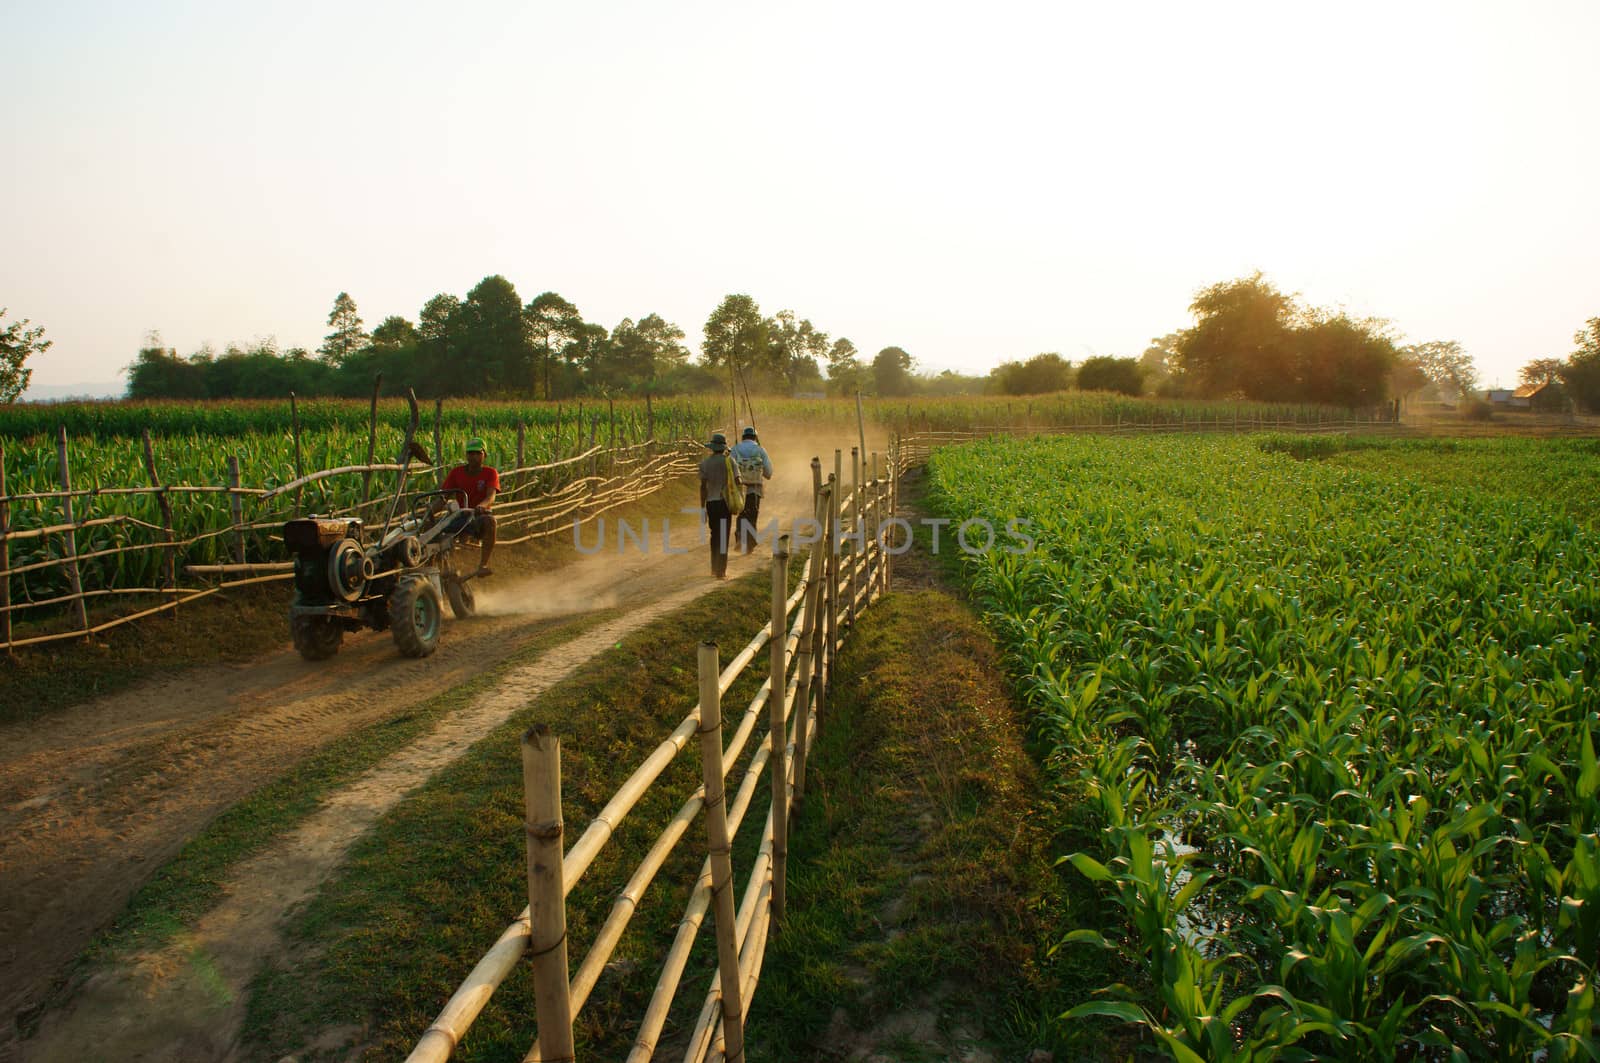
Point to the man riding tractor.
(476, 484)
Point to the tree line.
(492, 344)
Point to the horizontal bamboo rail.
(801, 664)
(526, 512)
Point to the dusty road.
(93, 800)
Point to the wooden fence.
(535, 500)
(841, 574)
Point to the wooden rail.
(802, 639)
(536, 501)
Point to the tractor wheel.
(414, 614)
(316, 637)
(463, 603)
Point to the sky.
(973, 183)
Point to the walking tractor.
(399, 581)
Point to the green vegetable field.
(1336, 705)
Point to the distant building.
(1549, 395)
(1500, 397)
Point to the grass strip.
(922, 895)
(426, 892)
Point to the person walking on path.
(754, 466)
(714, 487)
(475, 485)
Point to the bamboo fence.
(841, 574)
(535, 501)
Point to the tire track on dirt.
(186, 1002)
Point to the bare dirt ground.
(93, 800)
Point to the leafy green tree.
(891, 372)
(553, 324)
(1444, 363)
(395, 334)
(499, 354)
(1242, 344)
(1157, 362)
(347, 336)
(1105, 373)
(1541, 371)
(1343, 360)
(442, 326)
(1581, 374)
(18, 343)
(795, 350)
(736, 340)
(846, 375)
(158, 373)
(637, 354)
(1039, 375)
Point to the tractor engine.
(330, 564)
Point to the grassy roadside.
(189, 884)
(234, 625)
(923, 899)
(426, 892)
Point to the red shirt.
(476, 486)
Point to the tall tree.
(18, 343)
(499, 348)
(1158, 361)
(736, 338)
(1581, 374)
(553, 324)
(1343, 360)
(441, 325)
(347, 336)
(1241, 343)
(1541, 371)
(845, 373)
(1444, 363)
(891, 372)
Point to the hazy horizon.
(972, 188)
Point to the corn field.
(1339, 724)
(223, 502)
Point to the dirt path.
(95, 799)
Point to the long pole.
(5, 555)
(166, 518)
(236, 508)
(547, 910)
(861, 437)
(721, 851)
(299, 468)
(73, 574)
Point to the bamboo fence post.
(299, 468)
(73, 574)
(372, 440)
(236, 507)
(721, 850)
(522, 443)
(611, 459)
(166, 519)
(649, 424)
(779, 735)
(879, 495)
(821, 658)
(856, 457)
(594, 459)
(5, 555)
(861, 431)
(833, 559)
(547, 912)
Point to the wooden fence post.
(236, 507)
(776, 762)
(299, 467)
(821, 660)
(5, 555)
(372, 440)
(547, 911)
(611, 460)
(721, 852)
(833, 558)
(880, 495)
(73, 574)
(649, 422)
(856, 458)
(522, 444)
(166, 518)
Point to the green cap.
(474, 444)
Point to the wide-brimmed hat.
(474, 445)
(750, 432)
(718, 441)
